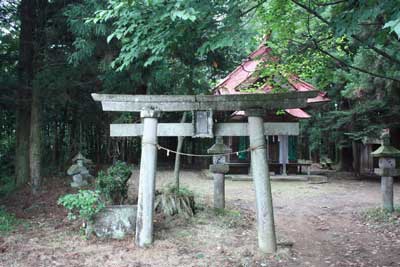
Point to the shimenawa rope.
(159, 147)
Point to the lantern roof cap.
(219, 147)
(386, 150)
(78, 156)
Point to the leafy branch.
(343, 63)
(321, 18)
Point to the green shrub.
(8, 222)
(112, 183)
(110, 189)
(84, 205)
(7, 186)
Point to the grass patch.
(229, 218)
(8, 222)
(219, 217)
(183, 234)
(380, 215)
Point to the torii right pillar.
(262, 182)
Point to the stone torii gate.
(255, 106)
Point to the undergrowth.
(229, 218)
(380, 215)
(224, 218)
(172, 201)
(7, 186)
(83, 205)
(8, 222)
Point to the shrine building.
(247, 79)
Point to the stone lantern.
(78, 171)
(219, 168)
(387, 155)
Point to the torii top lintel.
(137, 103)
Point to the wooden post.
(148, 164)
(262, 183)
(284, 152)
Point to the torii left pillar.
(147, 179)
(262, 183)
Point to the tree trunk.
(22, 141)
(61, 155)
(356, 157)
(40, 9)
(339, 158)
(25, 76)
(56, 147)
(177, 167)
(35, 142)
(73, 145)
(98, 146)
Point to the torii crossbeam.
(255, 106)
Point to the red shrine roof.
(245, 75)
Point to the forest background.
(54, 54)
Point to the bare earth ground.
(317, 225)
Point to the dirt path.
(322, 222)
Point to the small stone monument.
(387, 155)
(78, 171)
(115, 222)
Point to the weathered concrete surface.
(147, 180)
(78, 181)
(387, 183)
(219, 190)
(203, 124)
(114, 221)
(137, 103)
(262, 184)
(312, 179)
(218, 169)
(201, 98)
(75, 169)
(387, 193)
(387, 172)
(80, 175)
(220, 129)
(244, 177)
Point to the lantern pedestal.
(387, 169)
(218, 169)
